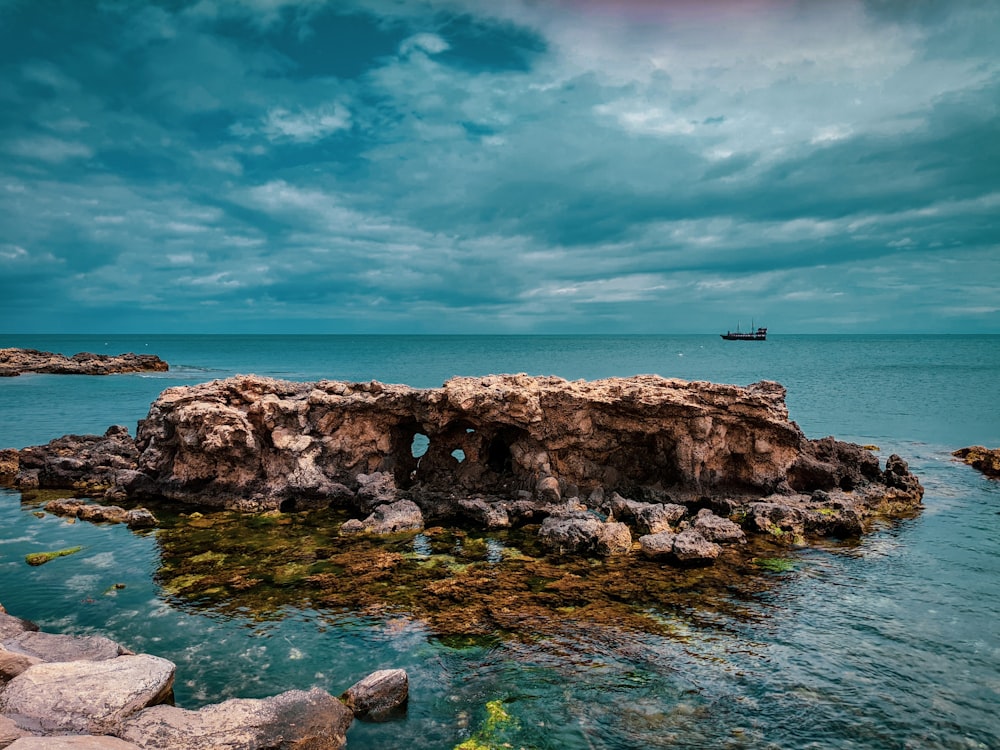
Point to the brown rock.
(9, 464)
(312, 720)
(985, 459)
(13, 663)
(402, 515)
(9, 731)
(580, 532)
(378, 696)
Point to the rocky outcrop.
(646, 452)
(90, 693)
(136, 518)
(985, 460)
(17, 361)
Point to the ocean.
(890, 641)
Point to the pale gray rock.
(584, 533)
(653, 518)
(719, 530)
(486, 515)
(378, 696)
(402, 515)
(141, 518)
(71, 742)
(657, 545)
(312, 720)
(86, 697)
(375, 490)
(52, 647)
(691, 546)
(11, 626)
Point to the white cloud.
(431, 44)
(305, 125)
(48, 149)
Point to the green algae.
(490, 735)
(463, 586)
(775, 564)
(40, 558)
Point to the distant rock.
(17, 361)
(987, 460)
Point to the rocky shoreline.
(91, 693)
(672, 469)
(15, 362)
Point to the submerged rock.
(17, 361)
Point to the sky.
(511, 166)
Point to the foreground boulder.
(502, 451)
(70, 742)
(294, 719)
(85, 697)
(985, 459)
(17, 361)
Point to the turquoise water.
(891, 642)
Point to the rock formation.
(502, 451)
(985, 459)
(64, 691)
(17, 361)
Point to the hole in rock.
(499, 458)
(459, 454)
(287, 506)
(419, 445)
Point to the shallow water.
(887, 642)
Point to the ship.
(759, 335)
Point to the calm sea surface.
(890, 642)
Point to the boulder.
(719, 530)
(78, 742)
(86, 697)
(985, 459)
(584, 533)
(11, 626)
(141, 518)
(379, 696)
(86, 463)
(13, 663)
(657, 545)
(375, 490)
(484, 514)
(652, 518)
(402, 515)
(312, 720)
(691, 547)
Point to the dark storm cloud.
(457, 166)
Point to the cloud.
(510, 166)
